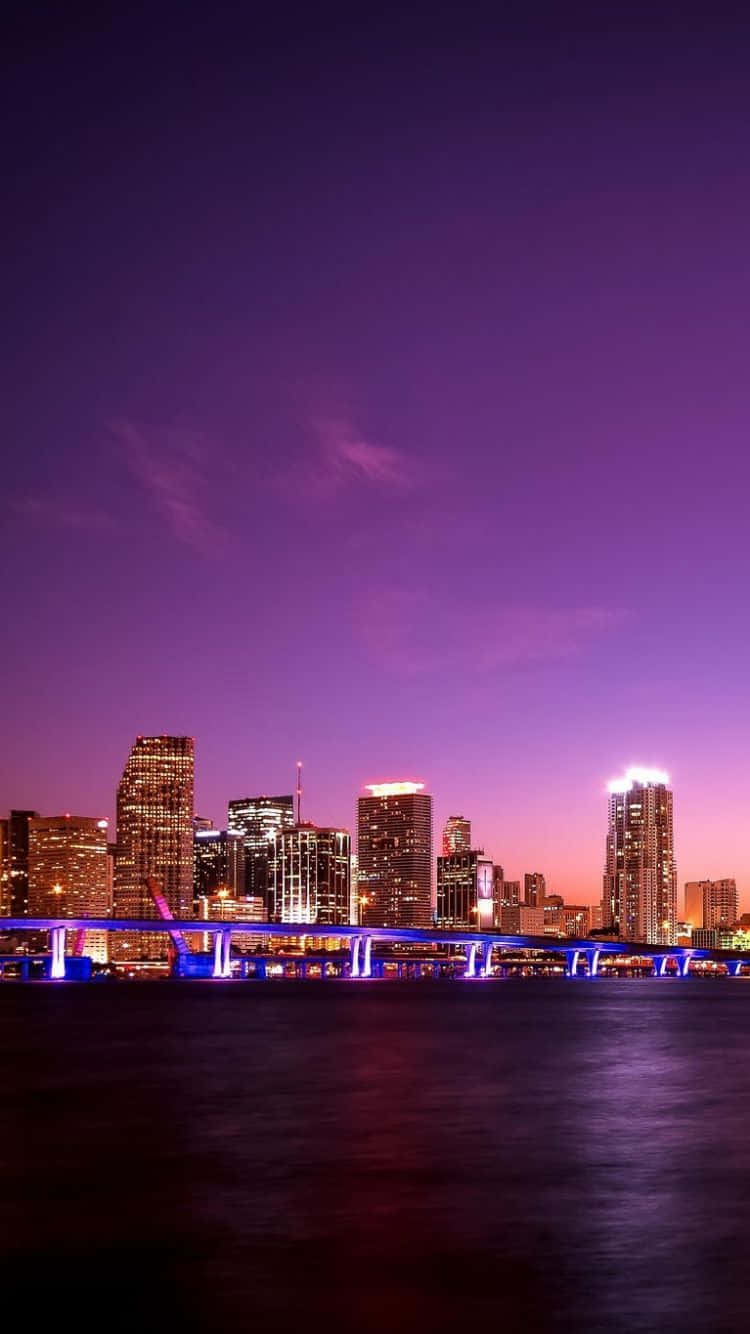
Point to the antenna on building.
(299, 792)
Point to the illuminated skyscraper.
(456, 835)
(640, 878)
(711, 903)
(219, 863)
(5, 906)
(534, 889)
(465, 890)
(18, 861)
(258, 820)
(309, 870)
(395, 855)
(68, 873)
(154, 837)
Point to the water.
(526, 1155)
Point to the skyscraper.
(394, 832)
(640, 879)
(5, 906)
(258, 820)
(456, 835)
(68, 872)
(18, 861)
(154, 837)
(534, 889)
(465, 890)
(309, 871)
(219, 863)
(711, 903)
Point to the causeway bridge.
(481, 950)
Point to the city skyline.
(515, 870)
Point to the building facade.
(456, 835)
(711, 903)
(218, 863)
(394, 835)
(309, 876)
(258, 820)
(465, 890)
(534, 889)
(518, 919)
(18, 861)
(154, 839)
(640, 879)
(69, 874)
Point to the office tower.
(154, 838)
(258, 820)
(711, 903)
(534, 889)
(509, 893)
(68, 873)
(18, 861)
(456, 835)
(640, 879)
(218, 863)
(394, 832)
(519, 919)
(465, 885)
(309, 876)
(4, 871)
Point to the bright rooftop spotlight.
(393, 789)
(637, 774)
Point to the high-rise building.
(218, 863)
(534, 889)
(18, 861)
(154, 838)
(68, 874)
(640, 878)
(5, 905)
(711, 903)
(258, 820)
(394, 833)
(456, 835)
(309, 876)
(465, 890)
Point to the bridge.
(479, 947)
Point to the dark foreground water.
(524, 1155)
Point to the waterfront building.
(394, 834)
(519, 919)
(18, 861)
(705, 938)
(218, 863)
(509, 893)
(68, 874)
(154, 839)
(5, 904)
(258, 820)
(640, 878)
(465, 890)
(534, 889)
(566, 919)
(711, 903)
(309, 876)
(456, 835)
(222, 906)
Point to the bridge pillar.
(685, 965)
(57, 943)
(573, 957)
(737, 965)
(471, 960)
(593, 962)
(487, 959)
(223, 954)
(354, 950)
(367, 959)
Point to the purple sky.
(377, 395)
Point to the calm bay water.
(529, 1155)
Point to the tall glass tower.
(394, 835)
(640, 876)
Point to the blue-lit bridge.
(482, 950)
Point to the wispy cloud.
(172, 465)
(343, 459)
(408, 632)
